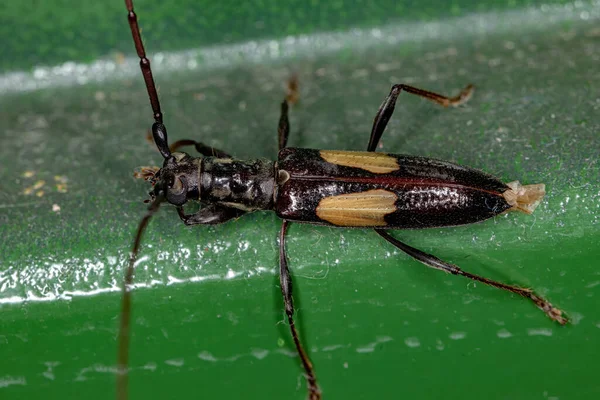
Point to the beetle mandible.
(348, 189)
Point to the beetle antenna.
(159, 131)
(123, 357)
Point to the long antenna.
(123, 356)
(144, 62)
(159, 131)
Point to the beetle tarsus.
(293, 92)
(462, 97)
(554, 313)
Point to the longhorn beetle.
(323, 187)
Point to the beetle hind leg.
(434, 262)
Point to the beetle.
(349, 189)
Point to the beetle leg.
(283, 129)
(201, 148)
(387, 107)
(434, 262)
(210, 215)
(285, 280)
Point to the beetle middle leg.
(285, 280)
(283, 128)
(387, 107)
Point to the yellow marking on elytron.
(378, 163)
(358, 209)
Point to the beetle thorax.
(245, 185)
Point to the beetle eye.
(177, 193)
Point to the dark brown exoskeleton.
(324, 187)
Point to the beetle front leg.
(209, 215)
(387, 107)
(201, 148)
(434, 262)
(283, 129)
(285, 280)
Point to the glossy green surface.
(65, 30)
(207, 315)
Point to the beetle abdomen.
(365, 189)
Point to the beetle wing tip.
(524, 198)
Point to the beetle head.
(177, 180)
